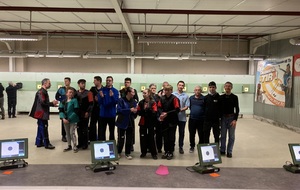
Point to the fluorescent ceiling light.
(61, 55)
(295, 41)
(145, 40)
(95, 56)
(20, 38)
(35, 55)
(13, 55)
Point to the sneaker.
(75, 150)
(50, 146)
(63, 139)
(143, 155)
(229, 155)
(192, 150)
(181, 151)
(222, 153)
(170, 156)
(164, 156)
(154, 157)
(128, 156)
(119, 156)
(68, 149)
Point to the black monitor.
(104, 151)
(13, 149)
(295, 153)
(209, 154)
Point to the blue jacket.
(108, 103)
(125, 116)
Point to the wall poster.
(274, 82)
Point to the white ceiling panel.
(14, 16)
(62, 17)
(93, 27)
(273, 20)
(243, 20)
(113, 27)
(176, 4)
(290, 5)
(257, 5)
(48, 27)
(163, 29)
(208, 29)
(104, 4)
(141, 28)
(258, 30)
(280, 29)
(140, 4)
(214, 19)
(216, 4)
(235, 30)
(157, 18)
(31, 3)
(9, 26)
(294, 22)
(60, 3)
(95, 17)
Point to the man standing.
(212, 113)
(11, 91)
(60, 96)
(107, 99)
(95, 118)
(230, 111)
(184, 105)
(40, 111)
(2, 101)
(196, 117)
(85, 101)
(168, 108)
(127, 83)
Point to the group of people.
(11, 91)
(160, 114)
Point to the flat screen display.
(104, 151)
(295, 153)
(11, 149)
(209, 154)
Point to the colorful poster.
(296, 65)
(274, 82)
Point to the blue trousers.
(226, 127)
(42, 136)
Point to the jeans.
(42, 136)
(181, 129)
(226, 127)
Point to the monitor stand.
(102, 166)
(292, 168)
(11, 164)
(205, 169)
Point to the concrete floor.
(258, 145)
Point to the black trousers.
(104, 121)
(147, 139)
(11, 104)
(63, 131)
(82, 132)
(93, 125)
(215, 126)
(196, 125)
(125, 136)
(168, 133)
(158, 135)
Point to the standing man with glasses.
(108, 98)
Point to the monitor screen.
(295, 153)
(104, 151)
(12, 149)
(209, 154)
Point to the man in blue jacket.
(107, 100)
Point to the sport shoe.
(154, 157)
(63, 139)
(164, 156)
(181, 151)
(192, 150)
(68, 149)
(128, 156)
(75, 150)
(50, 146)
(170, 156)
(229, 155)
(143, 155)
(222, 153)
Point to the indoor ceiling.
(243, 19)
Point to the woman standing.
(126, 111)
(68, 113)
(147, 109)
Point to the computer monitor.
(13, 149)
(295, 153)
(209, 154)
(104, 151)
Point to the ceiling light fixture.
(20, 38)
(295, 41)
(176, 41)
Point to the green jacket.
(69, 110)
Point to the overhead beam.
(150, 11)
(125, 22)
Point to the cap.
(212, 83)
